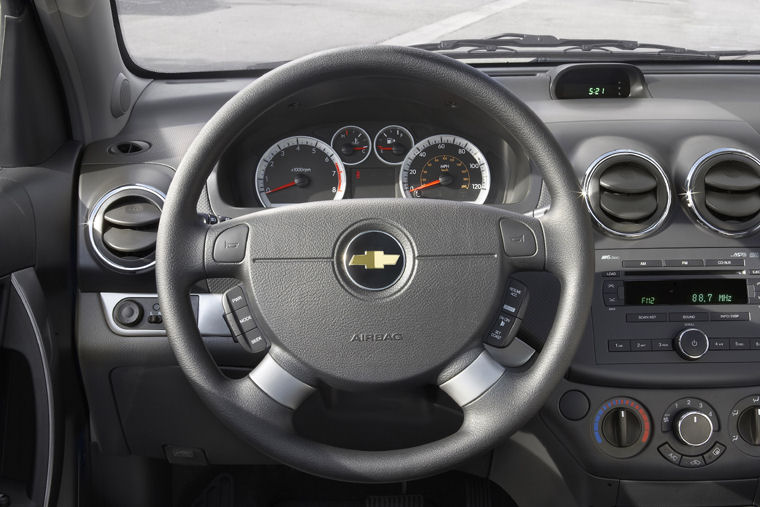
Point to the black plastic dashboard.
(630, 351)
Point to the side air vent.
(128, 147)
(123, 225)
(723, 192)
(627, 193)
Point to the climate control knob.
(692, 343)
(693, 428)
(622, 427)
(749, 425)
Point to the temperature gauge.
(352, 144)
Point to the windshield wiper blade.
(513, 42)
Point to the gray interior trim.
(513, 355)
(210, 315)
(474, 380)
(18, 286)
(280, 385)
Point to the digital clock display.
(598, 83)
(711, 291)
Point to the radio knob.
(694, 428)
(692, 343)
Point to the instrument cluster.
(357, 162)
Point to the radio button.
(611, 286)
(739, 344)
(684, 263)
(718, 343)
(729, 316)
(724, 262)
(641, 345)
(616, 274)
(755, 343)
(687, 316)
(692, 343)
(612, 300)
(619, 345)
(660, 345)
(648, 263)
(646, 317)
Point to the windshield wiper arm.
(512, 42)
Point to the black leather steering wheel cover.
(507, 405)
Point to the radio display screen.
(710, 291)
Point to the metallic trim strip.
(474, 380)
(513, 355)
(690, 190)
(48, 385)
(210, 315)
(91, 225)
(590, 172)
(280, 385)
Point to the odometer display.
(715, 291)
(445, 167)
(299, 169)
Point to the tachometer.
(445, 167)
(299, 169)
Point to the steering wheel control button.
(574, 405)
(621, 427)
(516, 299)
(503, 331)
(669, 454)
(694, 428)
(229, 246)
(244, 319)
(692, 343)
(236, 298)
(519, 240)
(255, 341)
(374, 260)
(715, 452)
(128, 313)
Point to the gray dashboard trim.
(467, 385)
(210, 314)
(279, 384)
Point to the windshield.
(172, 36)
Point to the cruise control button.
(236, 298)
(503, 331)
(692, 461)
(619, 345)
(714, 453)
(244, 319)
(669, 454)
(515, 298)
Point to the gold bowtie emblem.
(373, 259)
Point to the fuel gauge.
(352, 144)
(392, 144)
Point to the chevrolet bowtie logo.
(373, 259)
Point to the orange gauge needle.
(426, 185)
(281, 187)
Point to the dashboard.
(669, 169)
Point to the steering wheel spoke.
(474, 379)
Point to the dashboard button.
(692, 343)
(684, 263)
(715, 452)
(648, 263)
(503, 331)
(641, 345)
(729, 316)
(646, 317)
(612, 300)
(687, 316)
(611, 286)
(613, 274)
(739, 344)
(574, 405)
(662, 345)
(619, 345)
(724, 262)
(754, 343)
(718, 343)
(692, 461)
(669, 454)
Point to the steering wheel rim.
(507, 398)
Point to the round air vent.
(723, 192)
(123, 225)
(627, 193)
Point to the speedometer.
(445, 167)
(299, 169)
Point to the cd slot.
(685, 272)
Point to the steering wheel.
(293, 264)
